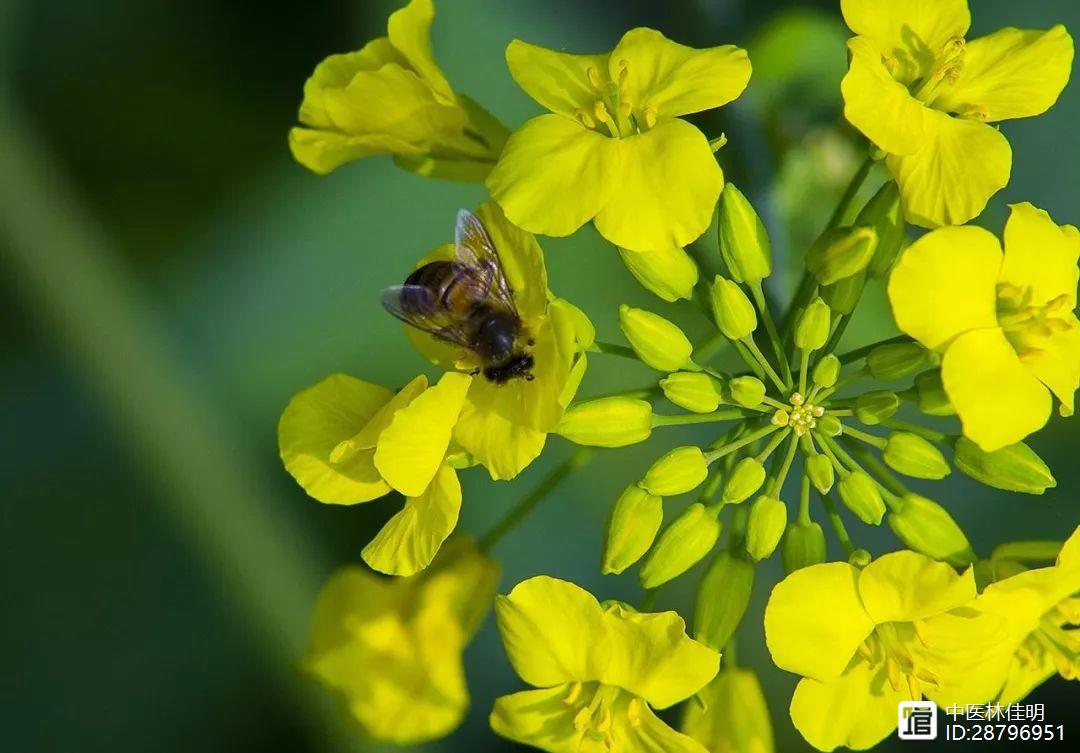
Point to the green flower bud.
(804, 545)
(692, 391)
(830, 425)
(844, 295)
(827, 371)
(841, 252)
(744, 244)
(722, 599)
(732, 310)
(747, 391)
(812, 329)
(745, 479)
(821, 472)
(670, 274)
(1015, 468)
(874, 407)
(768, 518)
(682, 544)
(915, 456)
(677, 472)
(860, 558)
(607, 422)
(888, 363)
(657, 342)
(632, 527)
(926, 527)
(732, 716)
(883, 213)
(860, 495)
(931, 394)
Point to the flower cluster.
(813, 437)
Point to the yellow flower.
(613, 149)
(901, 628)
(1003, 322)
(732, 716)
(392, 647)
(601, 668)
(926, 98)
(1042, 609)
(392, 98)
(505, 426)
(347, 441)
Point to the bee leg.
(530, 342)
(530, 377)
(475, 371)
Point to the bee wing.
(417, 306)
(475, 250)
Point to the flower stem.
(855, 355)
(851, 192)
(614, 350)
(770, 328)
(875, 468)
(804, 501)
(756, 351)
(937, 437)
(773, 443)
(739, 443)
(866, 437)
(837, 524)
(700, 418)
(778, 482)
(577, 460)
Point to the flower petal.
(411, 449)
(540, 160)
(464, 579)
(815, 621)
(905, 586)
(856, 710)
(336, 71)
(967, 650)
(945, 284)
(652, 656)
(1055, 361)
(949, 180)
(911, 32)
(538, 718)
(1026, 675)
(553, 631)
(998, 400)
(647, 733)
(409, 29)
(879, 105)
(315, 422)
(558, 81)
(1011, 73)
(1042, 254)
(409, 540)
(666, 192)
(324, 151)
(676, 79)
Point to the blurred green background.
(170, 277)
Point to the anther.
(594, 79)
(649, 115)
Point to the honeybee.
(468, 302)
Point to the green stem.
(863, 436)
(804, 366)
(578, 459)
(804, 501)
(851, 192)
(837, 524)
(748, 358)
(773, 443)
(731, 654)
(705, 351)
(837, 333)
(701, 418)
(937, 437)
(876, 469)
(739, 443)
(611, 349)
(855, 355)
(778, 482)
(844, 381)
(648, 600)
(824, 443)
(756, 351)
(770, 328)
(641, 393)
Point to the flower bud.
(607, 422)
(1015, 468)
(860, 558)
(732, 310)
(888, 363)
(874, 407)
(821, 472)
(803, 545)
(830, 425)
(677, 472)
(722, 599)
(931, 394)
(681, 545)
(844, 295)
(926, 527)
(860, 495)
(732, 716)
(657, 342)
(883, 213)
(768, 518)
(670, 274)
(827, 371)
(692, 390)
(812, 329)
(744, 243)
(747, 391)
(632, 527)
(745, 479)
(915, 456)
(841, 252)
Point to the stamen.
(573, 695)
(586, 119)
(649, 116)
(594, 79)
